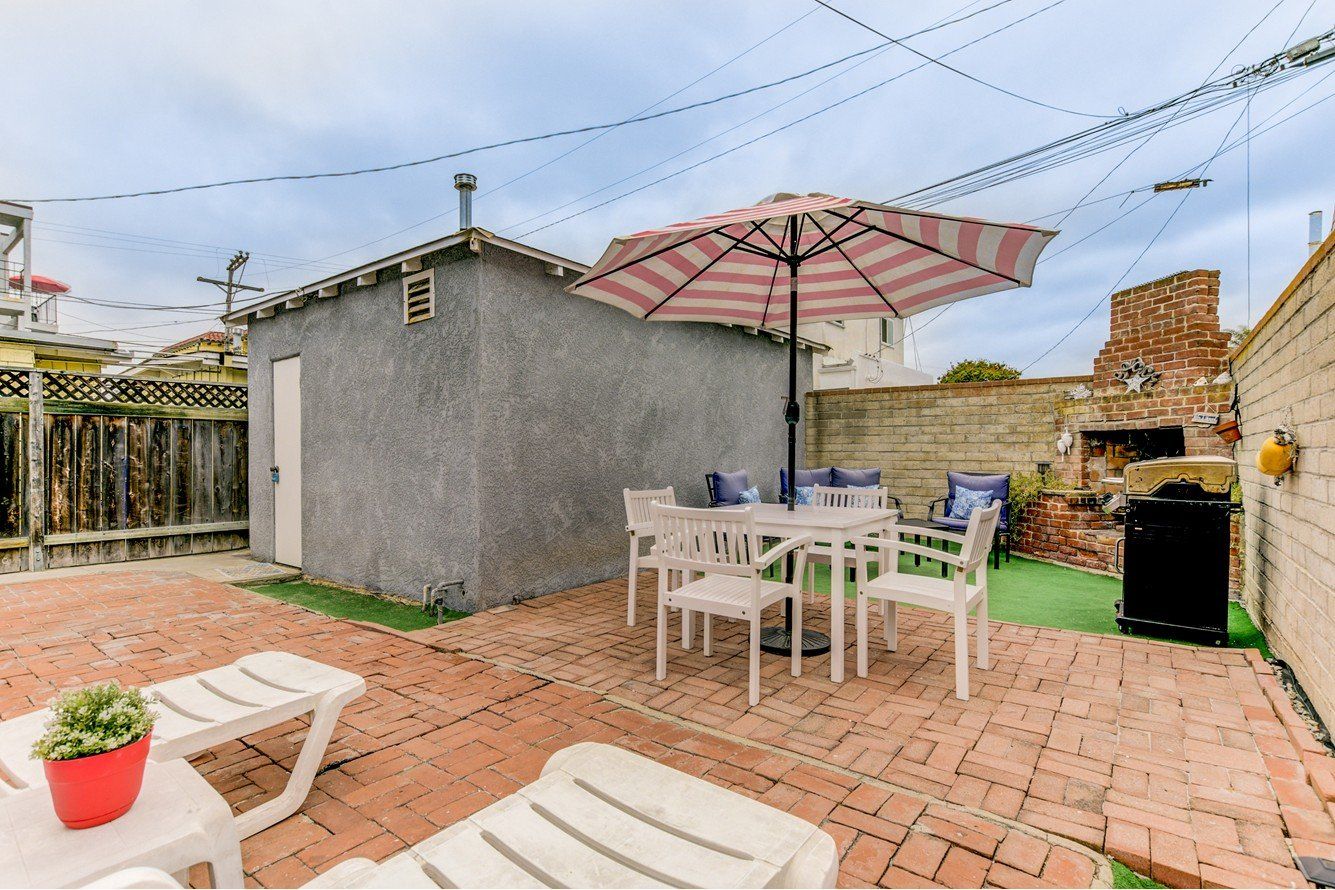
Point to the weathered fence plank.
(105, 469)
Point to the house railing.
(101, 468)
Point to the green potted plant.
(93, 752)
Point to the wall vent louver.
(419, 296)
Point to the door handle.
(273, 472)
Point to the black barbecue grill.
(1176, 557)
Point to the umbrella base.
(779, 641)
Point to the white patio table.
(827, 525)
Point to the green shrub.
(977, 369)
(93, 721)
(1025, 489)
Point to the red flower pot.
(94, 790)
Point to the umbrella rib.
(871, 284)
(833, 244)
(649, 256)
(770, 295)
(927, 247)
(747, 247)
(703, 269)
(830, 236)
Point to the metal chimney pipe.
(466, 183)
(1314, 230)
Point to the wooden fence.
(98, 468)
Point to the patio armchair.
(599, 816)
(955, 594)
(726, 489)
(856, 498)
(727, 553)
(1000, 486)
(640, 525)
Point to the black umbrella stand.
(779, 640)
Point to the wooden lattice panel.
(99, 389)
(13, 383)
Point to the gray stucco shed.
(491, 442)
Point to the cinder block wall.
(1285, 372)
(916, 433)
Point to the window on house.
(419, 296)
(888, 331)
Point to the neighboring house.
(210, 357)
(29, 332)
(862, 352)
(450, 412)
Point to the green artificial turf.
(1125, 877)
(1026, 591)
(338, 602)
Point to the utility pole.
(236, 267)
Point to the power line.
(940, 23)
(866, 56)
(568, 152)
(521, 140)
(937, 61)
(1153, 240)
(790, 124)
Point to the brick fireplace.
(1164, 362)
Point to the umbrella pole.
(779, 640)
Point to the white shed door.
(287, 461)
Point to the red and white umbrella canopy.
(857, 260)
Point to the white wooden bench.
(599, 817)
(198, 712)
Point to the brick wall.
(916, 433)
(1071, 528)
(1285, 372)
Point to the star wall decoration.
(1137, 375)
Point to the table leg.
(837, 608)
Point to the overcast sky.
(128, 96)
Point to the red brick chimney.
(1172, 325)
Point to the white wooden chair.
(724, 548)
(829, 496)
(640, 525)
(599, 816)
(955, 594)
(200, 711)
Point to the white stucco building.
(862, 353)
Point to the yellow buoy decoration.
(1275, 457)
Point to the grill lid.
(1214, 475)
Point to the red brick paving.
(1186, 763)
(439, 736)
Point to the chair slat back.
(859, 498)
(711, 541)
(978, 535)
(639, 505)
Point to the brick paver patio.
(1185, 763)
(440, 735)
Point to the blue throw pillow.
(842, 478)
(805, 493)
(967, 500)
(750, 496)
(865, 487)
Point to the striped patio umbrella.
(854, 259)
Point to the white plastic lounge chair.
(955, 594)
(197, 712)
(599, 817)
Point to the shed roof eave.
(245, 313)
